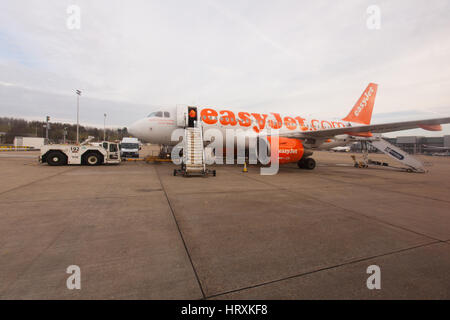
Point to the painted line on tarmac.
(181, 234)
(29, 156)
(323, 269)
(38, 180)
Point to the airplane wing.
(374, 128)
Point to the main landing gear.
(307, 163)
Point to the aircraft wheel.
(309, 163)
(301, 164)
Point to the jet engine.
(289, 150)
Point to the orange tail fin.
(362, 111)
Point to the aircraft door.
(192, 116)
(182, 116)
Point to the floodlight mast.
(78, 92)
(104, 127)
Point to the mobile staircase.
(411, 164)
(194, 159)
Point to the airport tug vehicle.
(85, 154)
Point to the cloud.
(298, 56)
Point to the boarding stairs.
(411, 163)
(194, 151)
(194, 158)
(399, 155)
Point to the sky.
(305, 57)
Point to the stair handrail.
(185, 146)
(200, 126)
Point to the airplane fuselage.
(158, 127)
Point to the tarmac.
(138, 232)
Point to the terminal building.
(414, 144)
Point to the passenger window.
(159, 114)
(166, 114)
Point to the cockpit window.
(166, 114)
(156, 114)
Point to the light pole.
(47, 127)
(104, 127)
(78, 92)
(64, 135)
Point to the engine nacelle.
(289, 150)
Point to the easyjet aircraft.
(298, 135)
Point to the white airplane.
(299, 136)
(341, 149)
(436, 148)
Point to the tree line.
(13, 127)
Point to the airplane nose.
(134, 129)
